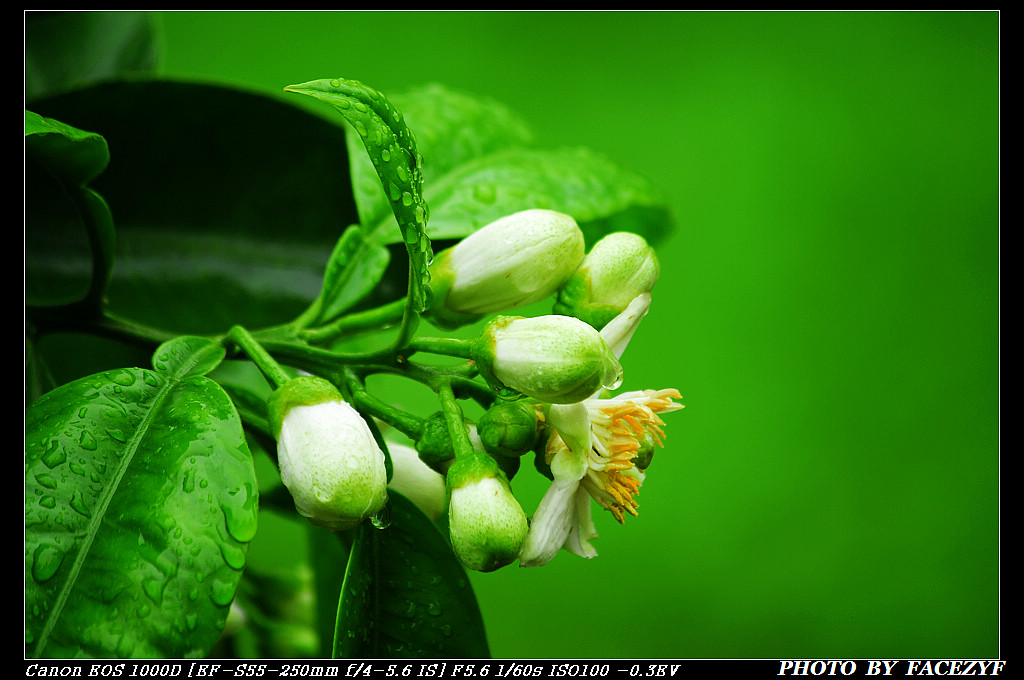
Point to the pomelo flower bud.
(434, 444)
(486, 524)
(328, 458)
(509, 428)
(417, 481)
(514, 261)
(555, 359)
(617, 269)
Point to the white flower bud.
(552, 358)
(328, 458)
(417, 481)
(514, 261)
(486, 524)
(617, 269)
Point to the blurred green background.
(828, 307)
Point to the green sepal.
(441, 279)
(482, 353)
(573, 301)
(305, 390)
(473, 468)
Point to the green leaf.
(188, 356)
(74, 158)
(140, 502)
(391, 147)
(456, 127)
(480, 164)
(67, 50)
(601, 196)
(355, 268)
(405, 595)
(74, 155)
(213, 188)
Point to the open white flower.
(598, 449)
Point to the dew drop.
(614, 380)
(46, 481)
(46, 560)
(154, 589)
(87, 441)
(233, 556)
(123, 378)
(78, 504)
(382, 519)
(241, 516)
(222, 592)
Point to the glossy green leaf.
(480, 164)
(355, 268)
(391, 147)
(74, 155)
(456, 127)
(405, 595)
(600, 195)
(73, 158)
(140, 502)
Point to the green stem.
(455, 420)
(384, 316)
(255, 351)
(410, 314)
(99, 226)
(404, 422)
(82, 317)
(453, 347)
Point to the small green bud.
(328, 458)
(618, 268)
(486, 524)
(435, 442)
(555, 359)
(514, 261)
(509, 428)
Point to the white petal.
(572, 421)
(417, 481)
(550, 525)
(583, 530)
(618, 332)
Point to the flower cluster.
(552, 377)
